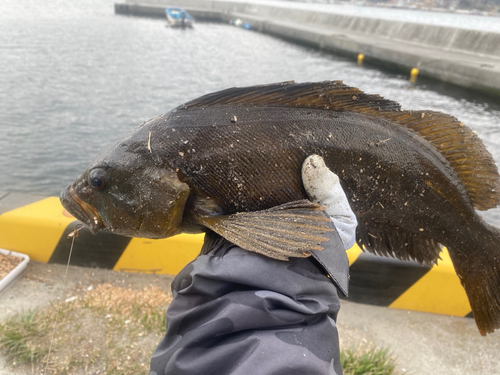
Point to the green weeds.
(19, 337)
(370, 361)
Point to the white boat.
(178, 17)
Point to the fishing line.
(72, 235)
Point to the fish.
(229, 163)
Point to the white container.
(16, 271)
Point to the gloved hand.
(323, 187)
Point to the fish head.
(123, 191)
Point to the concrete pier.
(467, 58)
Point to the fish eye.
(98, 179)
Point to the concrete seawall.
(467, 58)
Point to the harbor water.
(75, 78)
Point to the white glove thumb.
(323, 187)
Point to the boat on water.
(178, 17)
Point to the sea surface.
(75, 77)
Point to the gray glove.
(323, 187)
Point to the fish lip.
(83, 211)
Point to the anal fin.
(289, 230)
(392, 241)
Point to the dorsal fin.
(332, 95)
(463, 149)
(456, 142)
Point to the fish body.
(230, 162)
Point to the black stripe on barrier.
(100, 250)
(380, 281)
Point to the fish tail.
(477, 264)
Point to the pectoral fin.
(290, 230)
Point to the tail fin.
(478, 267)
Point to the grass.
(371, 361)
(114, 330)
(19, 337)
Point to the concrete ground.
(423, 343)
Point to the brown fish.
(230, 162)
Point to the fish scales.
(230, 162)
(377, 174)
(265, 138)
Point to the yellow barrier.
(439, 291)
(160, 256)
(34, 229)
(40, 230)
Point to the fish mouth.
(83, 211)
